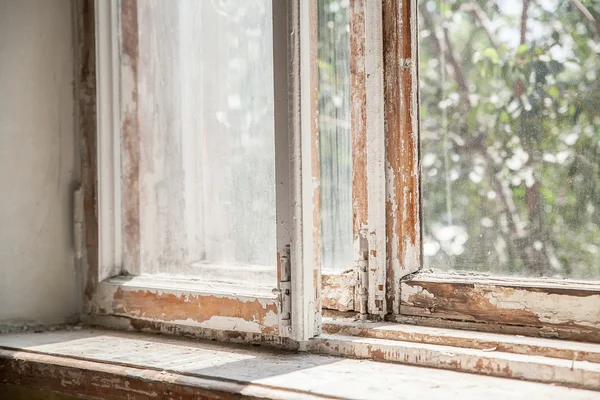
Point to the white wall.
(38, 279)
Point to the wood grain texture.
(555, 307)
(403, 203)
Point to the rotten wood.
(554, 307)
(403, 223)
(86, 98)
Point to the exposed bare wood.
(368, 169)
(176, 329)
(583, 335)
(86, 97)
(403, 224)
(553, 305)
(94, 380)
(90, 360)
(358, 116)
(338, 290)
(515, 344)
(535, 368)
(201, 308)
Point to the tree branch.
(459, 76)
(588, 15)
(482, 20)
(524, 21)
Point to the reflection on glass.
(335, 135)
(510, 127)
(205, 98)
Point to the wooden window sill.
(99, 364)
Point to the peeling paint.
(568, 309)
(402, 153)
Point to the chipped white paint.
(108, 118)
(376, 180)
(508, 365)
(550, 308)
(264, 374)
(231, 324)
(301, 376)
(412, 290)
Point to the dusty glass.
(205, 110)
(335, 135)
(510, 128)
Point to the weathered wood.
(368, 171)
(86, 97)
(130, 136)
(105, 364)
(305, 175)
(358, 118)
(555, 306)
(94, 380)
(200, 307)
(403, 224)
(338, 290)
(516, 344)
(507, 365)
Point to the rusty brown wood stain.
(358, 116)
(402, 143)
(170, 307)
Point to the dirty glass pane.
(510, 127)
(205, 109)
(335, 135)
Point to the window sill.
(94, 363)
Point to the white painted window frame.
(293, 21)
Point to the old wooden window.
(490, 131)
(201, 165)
(400, 148)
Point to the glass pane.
(335, 135)
(205, 98)
(510, 128)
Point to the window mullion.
(403, 191)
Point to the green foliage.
(511, 162)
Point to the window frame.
(566, 309)
(111, 149)
(385, 105)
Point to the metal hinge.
(362, 274)
(285, 288)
